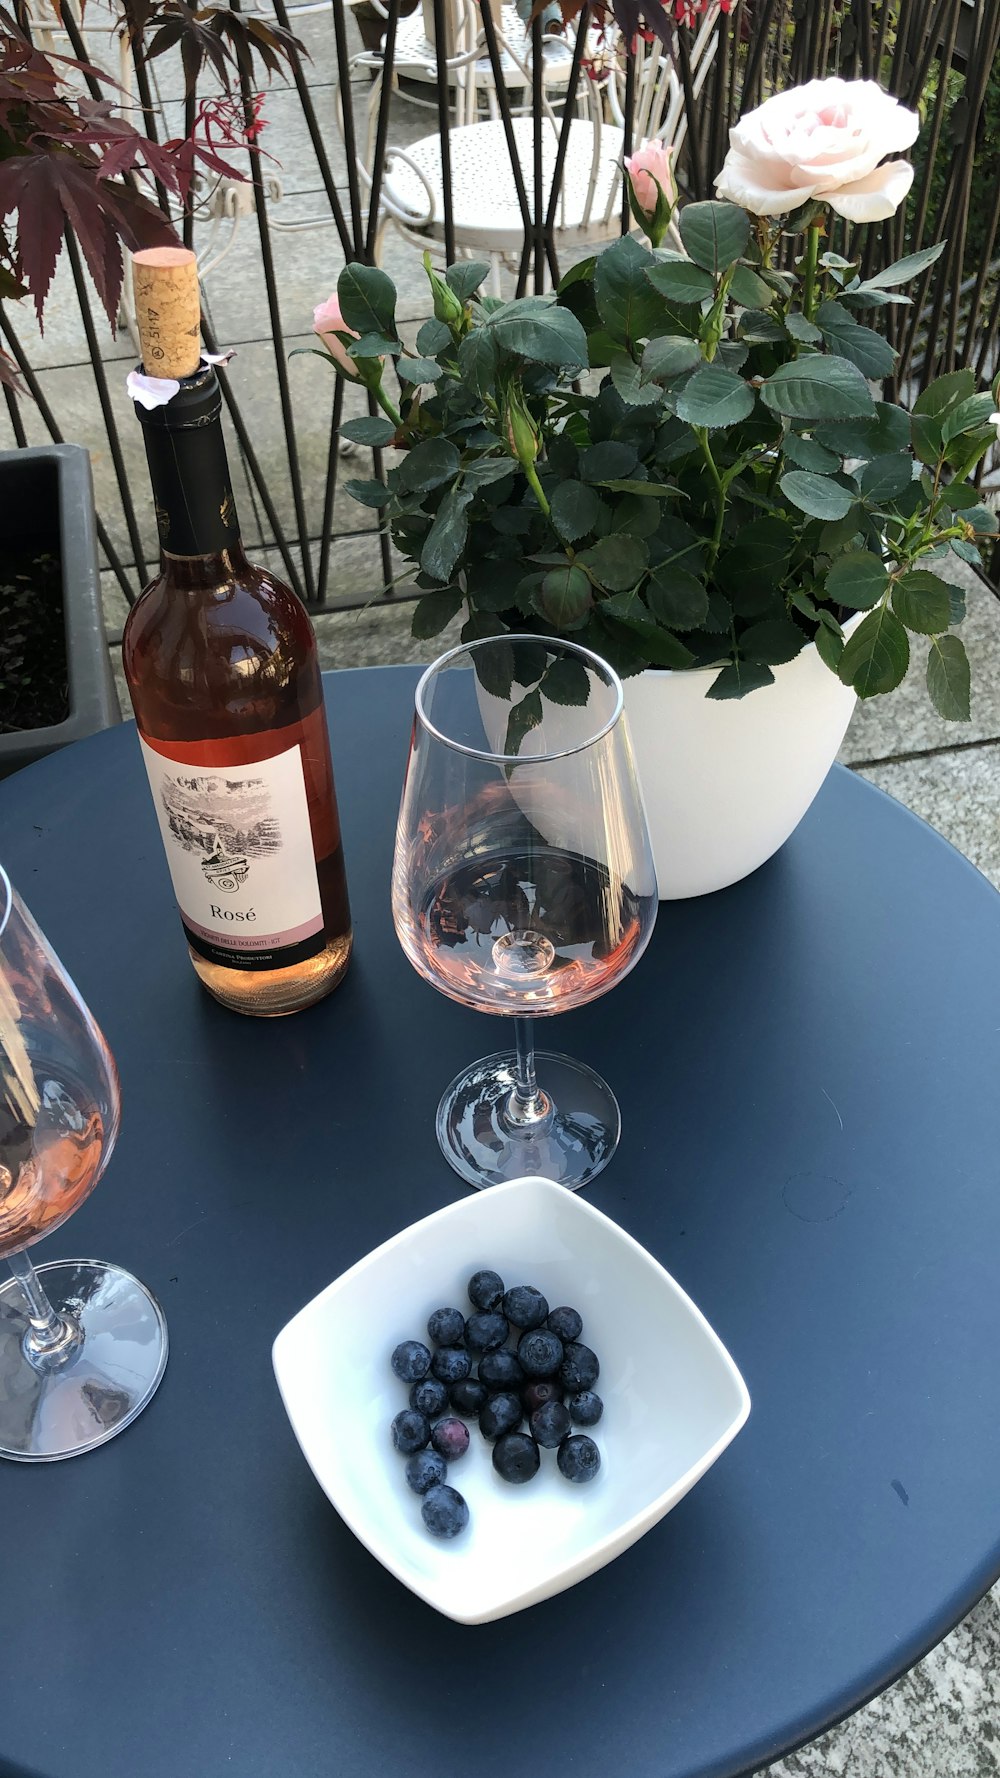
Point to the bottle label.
(240, 850)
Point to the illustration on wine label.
(239, 846)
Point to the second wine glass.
(523, 885)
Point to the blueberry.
(567, 1323)
(468, 1397)
(579, 1369)
(578, 1458)
(500, 1370)
(549, 1424)
(425, 1469)
(450, 1364)
(429, 1396)
(410, 1431)
(485, 1331)
(585, 1408)
(444, 1512)
(541, 1354)
(536, 1394)
(411, 1361)
(516, 1457)
(446, 1327)
(451, 1438)
(501, 1414)
(485, 1290)
(525, 1306)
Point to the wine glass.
(523, 884)
(83, 1344)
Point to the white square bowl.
(673, 1398)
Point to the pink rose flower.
(327, 323)
(827, 140)
(648, 163)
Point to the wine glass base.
(571, 1145)
(102, 1384)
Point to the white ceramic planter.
(726, 782)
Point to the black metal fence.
(506, 139)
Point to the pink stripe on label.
(245, 939)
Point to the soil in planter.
(34, 688)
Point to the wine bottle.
(222, 667)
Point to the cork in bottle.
(167, 309)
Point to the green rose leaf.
(367, 300)
(643, 490)
(969, 414)
(535, 328)
(480, 472)
(872, 354)
(748, 290)
(983, 520)
(522, 719)
(764, 546)
(922, 602)
(806, 332)
(740, 678)
(607, 461)
(817, 495)
(370, 430)
(565, 597)
(818, 388)
(433, 337)
(433, 612)
(575, 510)
(829, 647)
(373, 345)
(770, 643)
(805, 453)
(566, 681)
(676, 599)
(928, 439)
(945, 392)
(370, 493)
(714, 234)
(876, 657)
(670, 357)
(627, 380)
(530, 659)
(465, 277)
(887, 432)
(715, 397)
(418, 370)
(759, 329)
(477, 360)
(902, 270)
(857, 580)
(625, 303)
(659, 646)
(445, 540)
(433, 461)
(884, 478)
(948, 678)
(680, 280)
(616, 562)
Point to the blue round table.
(807, 1066)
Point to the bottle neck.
(192, 490)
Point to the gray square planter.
(47, 501)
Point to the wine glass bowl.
(82, 1352)
(523, 885)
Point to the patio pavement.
(943, 1719)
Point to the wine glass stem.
(49, 1337)
(527, 1103)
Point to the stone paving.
(944, 1717)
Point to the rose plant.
(682, 458)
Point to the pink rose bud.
(648, 163)
(327, 323)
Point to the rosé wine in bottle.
(222, 667)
